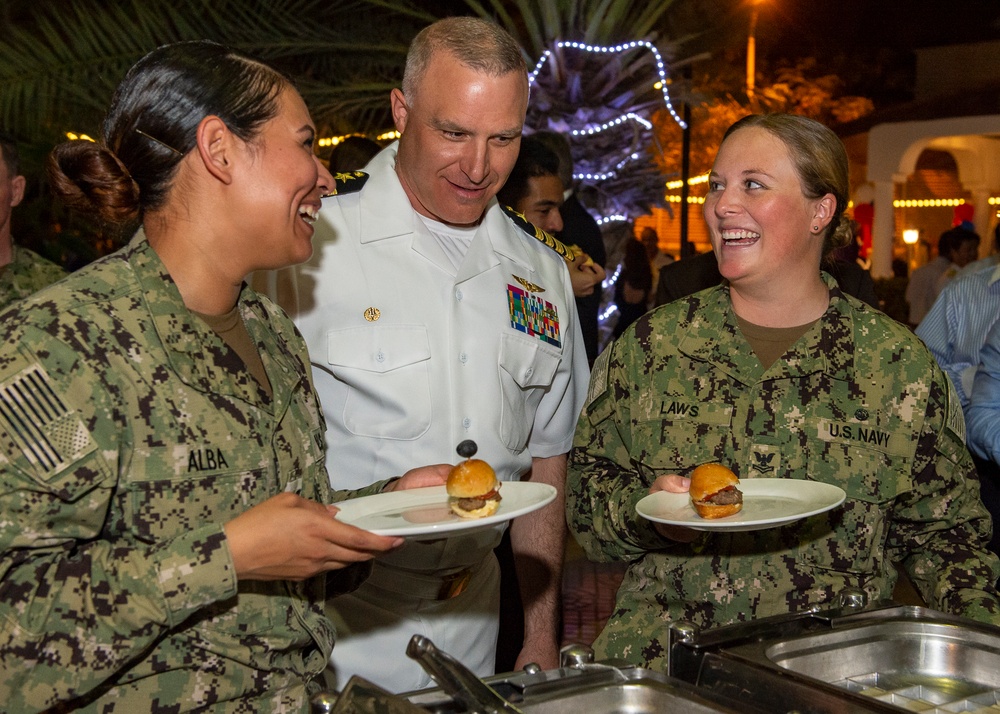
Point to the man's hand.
(433, 475)
(672, 483)
(585, 275)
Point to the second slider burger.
(473, 489)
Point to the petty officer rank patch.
(765, 461)
(532, 315)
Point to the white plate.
(425, 512)
(767, 503)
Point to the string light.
(694, 181)
(625, 47)
(81, 137)
(929, 203)
(608, 174)
(691, 199)
(611, 219)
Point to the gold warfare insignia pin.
(528, 285)
(372, 314)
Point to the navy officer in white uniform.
(433, 316)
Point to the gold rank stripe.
(538, 234)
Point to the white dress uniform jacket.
(410, 358)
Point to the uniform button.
(458, 295)
(528, 372)
(467, 422)
(861, 414)
(463, 358)
(380, 356)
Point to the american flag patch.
(533, 315)
(51, 436)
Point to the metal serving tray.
(888, 659)
(923, 666)
(591, 688)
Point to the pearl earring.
(815, 228)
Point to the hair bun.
(89, 177)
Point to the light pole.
(752, 53)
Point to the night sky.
(867, 43)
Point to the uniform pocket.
(674, 434)
(385, 371)
(872, 467)
(526, 372)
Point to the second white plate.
(767, 503)
(424, 512)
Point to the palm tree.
(59, 62)
(603, 100)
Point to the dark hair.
(352, 153)
(820, 160)
(952, 239)
(9, 154)
(534, 159)
(559, 145)
(480, 44)
(152, 124)
(636, 270)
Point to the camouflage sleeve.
(79, 602)
(940, 529)
(603, 483)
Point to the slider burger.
(714, 491)
(472, 486)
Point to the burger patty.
(472, 504)
(728, 496)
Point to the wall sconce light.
(911, 236)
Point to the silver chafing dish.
(887, 658)
(579, 686)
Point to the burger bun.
(471, 478)
(472, 489)
(708, 480)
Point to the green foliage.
(60, 62)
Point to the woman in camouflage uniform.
(776, 373)
(164, 541)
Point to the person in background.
(702, 271)
(22, 271)
(166, 538)
(634, 285)
(657, 258)
(580, 230)
(964, 252)
(955, 331)
(984, 425)
(921, 290)
(687, 276)
(984, 407)
(988, 261)
(534, 188)
(433, 316)
(776, 373)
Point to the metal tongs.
(457, 680)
